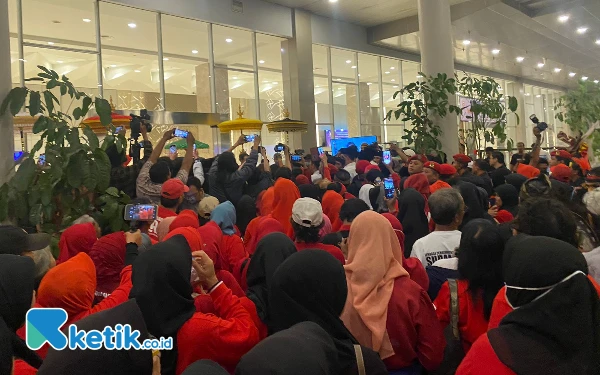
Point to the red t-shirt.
(471, 322)
(161, 214)
(482, 359)
(333, 250)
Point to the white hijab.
(364, 194)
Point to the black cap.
(14, 240)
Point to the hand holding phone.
(180, 133)
(140, 212)
(390, 190)
(387, 157)
(320, 151)
(250, 137)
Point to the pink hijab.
(327, 227)
(370, 276)
(164, 226)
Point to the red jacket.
(413, 327)
(333, 250)
(482, 359)
(232, 251)
(471, 322)
(224, 338)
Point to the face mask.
(547, 289)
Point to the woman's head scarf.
(164, 227)
(204, 367)
(271, 251)
(245, 211)
(310, 191)
(370, 276)
(510, 198)
(211, 242)
(16, 292)
(475, 208)
(76, 239)
(69, 286)
(224, 216)
(108, 255)
(311, 286)
(186, 218)
(264, 201)
(420, 183)
(326, 227)
(364, 194)
(515, 180)
(411, 213)
(192, 237)
(555, 327)
(332, 203)
(286, 193)
(162, 290)
(303, 349)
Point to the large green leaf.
(75, 170)
(89, 175)
(15, 99)
(34, 103)
(4, 202)
(111, 209)
(85, 107)
(35, 214)
(103, 163)
(40, 125)
(116, 223)
(73, 137)
(77, 113)
(49, 100)
(112, 192)
(25, 175)
(92, 138)
(512, 103)
(104, 111)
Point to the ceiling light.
(582, 30)
(541, 65)
(419, 76)
(466, 42)
(369, 83)
(393, 80)
(234, 77)
(538, 96)
(564, 18)
(392, 67)
(273, 83)
(229, 40)
(165, 59)
(387, 72)
(137, 71)
(59, 61)
(584, 78)
(132, 25)
(317, 86)
(87, 20)
(261, 62)
(338, 79)
(333, 1)
(520, 58)
(395, 87)
(597, 41)
(557, 70)
(51, 43)
(113, 66)
(572, 74)
(353, 66)
(194, 51)
(596, 81)
(348, 61)
(495, 51)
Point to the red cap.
(361, 165)
(173, 189)
(528, 170)
(371, 167)
(462, 158)
(302, 180)
(447, 170)
(561, 154)
(561, 173)
(186, 218)
(433, 165)
(504, 216)
(419, 157)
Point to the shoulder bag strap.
(360, 360)
(454, 307)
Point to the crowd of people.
(311, 267)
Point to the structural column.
(517, 90)
(437, 56)
(7, 146)
(299, 86)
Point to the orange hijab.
(332, 203)
(370, 276)
(286, 193)
(264, 202)
(439, 184)
(191, 235)
(70, 286)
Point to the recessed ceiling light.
(51, 43)
(338, 79)
(194, 51)
(419, 76)
(333, 1)
(466, 42)
(395, 87)
(582, 30)
(317, 86)
(538, 96)
(348, 61)
(572, 74)
(261, 62)
(584, 78)
(495, 51)
(541, 65)
(596, 81)
(132, 25)
(369, 83)
(87, 20)
(137, 71)
(353, 66)
(393, 80)
(165, 59)
(387, 72)
(229, 40)
(557, 70)
(59, 61)
(598, 41)
(392, 67)
(520, 58)
(564, 18)
(113, 66)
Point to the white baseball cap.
(409, 152)
(307, 212)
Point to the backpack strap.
(454, 307)
(360, 360)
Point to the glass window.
(322, 107)
(320, 66)
(272, 103)
(390, 71)
(343, 65)
(269, 49)
(410, 72)
(233, 48)
(345, 110)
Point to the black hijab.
(204, 367)
(474, 205)
(510, 198)
(310, 191)
(245, 211)
(411, 206)
(17, 274)
(270, 252)
(552, 331)
(303, 349)
(103, 361)
(162, 289)
(516, 180)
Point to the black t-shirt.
(516, 158)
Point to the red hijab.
(260, 228)
(186, 218)
(211, 237)
(412, 265)
(76, 239)
(420, 183)
(108, 255)
(332, 203)
(286, 193)
(264, 202)
(302, 180)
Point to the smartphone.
(118, 129)
(390, 190)
(320, 149)
(140, 212)
(492, 202)
(387, 157)
(181, 133)
(42, 160)
(250, 138)
(279, 147)
(296, 158)
(173, 149)
(142, 144)
(194, 147)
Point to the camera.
(137, 122)
(540, 125)
(279, 147)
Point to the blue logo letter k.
(43, 325)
